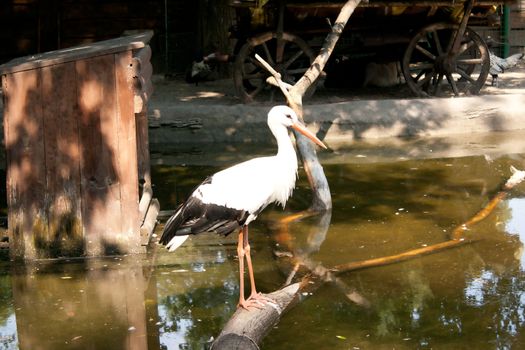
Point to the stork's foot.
(261, 298)
(255, 301)
(250, 304)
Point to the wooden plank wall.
(18, 28)
(62, 151)
(83, 21)
(518, 14)
(108, 162)
(517, 33)
(35, 26)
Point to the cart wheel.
(289, 55)
(432, 69)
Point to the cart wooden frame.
(440, 54)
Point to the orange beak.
(303, 130)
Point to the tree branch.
(277, 76)
(322, 199)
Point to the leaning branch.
(517, 177)
(391, 259)
(277, 80)
(322, 199)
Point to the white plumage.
(499, 65)
(232, 198)
(249, 186)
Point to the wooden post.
(72, 154)
(148, 206)
(143, 88)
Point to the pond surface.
(388, 198)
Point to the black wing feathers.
(194, 217)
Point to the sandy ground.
(223, 92)
(210, 112)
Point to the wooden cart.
(439, 54)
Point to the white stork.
(232, 198)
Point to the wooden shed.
(75, 133)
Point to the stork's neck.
(285, 149)
(285, 172)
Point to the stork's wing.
(245, 186)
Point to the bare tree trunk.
(294, 94)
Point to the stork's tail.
(176, 242)
(169, 235)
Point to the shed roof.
(99, 48)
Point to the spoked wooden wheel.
(286, 53)
(432, 68)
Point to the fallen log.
(246, 329)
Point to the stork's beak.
(303, 130)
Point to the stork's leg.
(241, 251)
(246, 246)
(253, 295)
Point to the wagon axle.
(445, 64)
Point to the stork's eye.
(289, 116)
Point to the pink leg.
(246, 246)
(254, 295)
(241, 251)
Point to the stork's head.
(285, 116)
(282, 115)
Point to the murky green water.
(388, 198)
